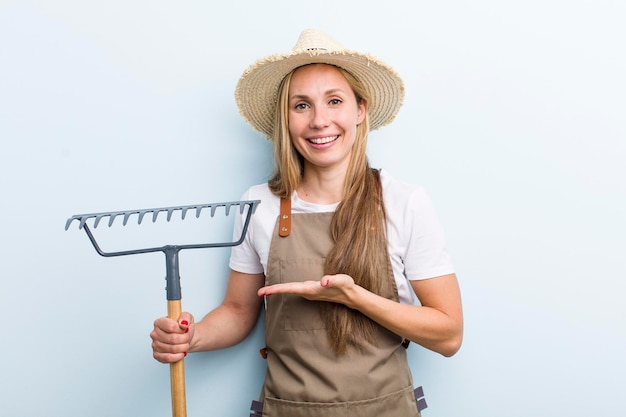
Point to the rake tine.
(113, 216)
(155, 214)
(126, 216)
(70, 220)
(141, 214)
(97, 221)
(227, 207)
(167, 217)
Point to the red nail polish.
(185, 353)
(184, 323)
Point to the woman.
(335, 247)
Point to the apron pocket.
(397, 404)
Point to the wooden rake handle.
(177, 369)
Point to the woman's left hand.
(335, 288)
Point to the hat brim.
(257, 90)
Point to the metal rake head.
(170, 251)
(83, 218)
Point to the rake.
(172, 278)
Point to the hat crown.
(316, 40)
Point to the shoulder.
(399, 194)
(269, 203)
(261, 192)
(258, 192)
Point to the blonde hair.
(357, 227)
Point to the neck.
(322, 186)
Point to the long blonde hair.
(357, 227)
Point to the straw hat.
(257, 90)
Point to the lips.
(322, 141)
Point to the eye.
(334, 102)
(300, 106)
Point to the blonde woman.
(336, 249)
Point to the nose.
(319, 118)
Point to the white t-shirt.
(417, 246)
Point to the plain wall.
(513, 121)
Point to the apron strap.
(284, 222)
(257, 408)
(419, 397)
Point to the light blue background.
(513, 121)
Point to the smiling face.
(323, 116)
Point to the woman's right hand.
(171, 339)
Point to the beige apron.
(304, 377)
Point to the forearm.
(232, 321)
(427, 326)
(221, 328)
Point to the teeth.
(319, 141)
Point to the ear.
(361, 111)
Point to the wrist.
(355, 295)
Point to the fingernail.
(187, 330)
(184, 323)
(185, 353)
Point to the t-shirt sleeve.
(244, 257)
(426, 255)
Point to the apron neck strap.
(284, 222)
